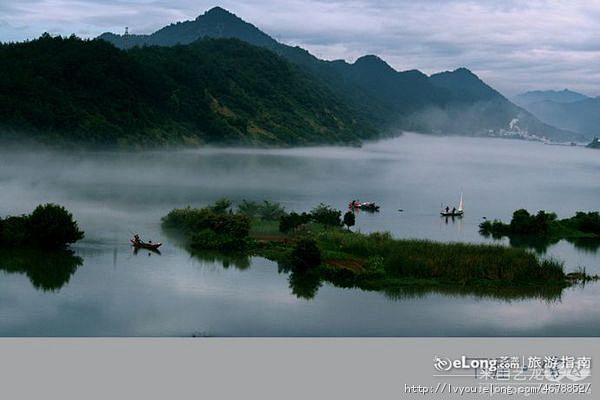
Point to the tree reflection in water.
(47, 270)
(238, 261)
(540, 244)
(590, 245)
(306, 284)
(509, 294)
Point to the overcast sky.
(513, 45)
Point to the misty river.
(105, 289)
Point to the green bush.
(211, 227)
(293, 220)
(13, 231)
(587, 222)
(214, 217)
(326, 215)
(269, 211)
(522, 223)
(349, 219)
(221, 206)
(526, 224)
(51, 225)
(186, 219)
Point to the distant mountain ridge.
(564, 109)
(452, 102)
(557, 96)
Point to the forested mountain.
(565, 109)
(213, 90)
(218, 79)
(450, 102)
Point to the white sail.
(461, 205)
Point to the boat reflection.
(137, 250)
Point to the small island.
(319, 246)
(49, 226)
(545, 225)
(36, 245)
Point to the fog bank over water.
(413, 172)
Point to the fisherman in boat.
(453, 210)
(138, 243)
(447, 209)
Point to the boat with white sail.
(454, 212)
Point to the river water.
(108, 290)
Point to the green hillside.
(68, 90)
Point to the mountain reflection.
(47, 270)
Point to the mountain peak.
(463, 80)
(458, 73)
(372, 62)
(464, 72)
(217, 12)
(369, 58)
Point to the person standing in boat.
(447, 209)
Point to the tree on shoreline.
(349, 219)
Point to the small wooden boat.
(367, 206)
(139, 244)
(452, 214)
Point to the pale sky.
(512, 45)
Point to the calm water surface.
(106, 289)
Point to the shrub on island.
(267, 210)
(326, 215)
(293, 220)
(212, 227)
(322, 214)
(49, 226)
